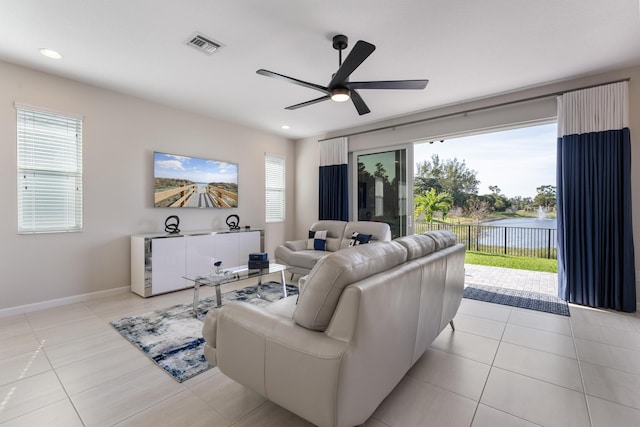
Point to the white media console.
(160, 261)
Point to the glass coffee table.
(233, 274)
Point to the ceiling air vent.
(203, 44)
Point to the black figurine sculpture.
(233, 221)
(172, 227)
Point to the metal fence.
(519, 241)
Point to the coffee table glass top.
(233, 274)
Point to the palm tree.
(429, 202)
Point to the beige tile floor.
(502, 366)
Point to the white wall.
(120, 134)
(307, 152)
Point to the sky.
(194, 169)
(517, 160)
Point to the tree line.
(449, 187)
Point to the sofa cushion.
(317, 240)
(359, 239)
(417, 245)
(326, 281)
(379, 231)
(442, 238)
(335, 231)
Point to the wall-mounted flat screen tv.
(191, 182)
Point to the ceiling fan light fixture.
(340, 94)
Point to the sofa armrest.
(296, 245)
(288, 364)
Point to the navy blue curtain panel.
(595, 236)
(595, 239)
(333, 201)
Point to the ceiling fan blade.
(389, 84)
(284, 78)
(358, 54)
(358, 102)
(304, 104)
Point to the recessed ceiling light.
(285, 127)
(50, 53)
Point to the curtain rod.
(473, 110)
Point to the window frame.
(48, 170)
(272, 161)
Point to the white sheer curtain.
(596, 109)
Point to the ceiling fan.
(340, 89)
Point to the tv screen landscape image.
(191, 182)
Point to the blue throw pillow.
(359, 239)
(317, 240)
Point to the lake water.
(530, 233)
(524, 222)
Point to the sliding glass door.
(384, 189)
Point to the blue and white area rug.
(172, 337)
(516, 298)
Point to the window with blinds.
(274, 167)
(49, 171)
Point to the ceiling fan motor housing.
(340, 42)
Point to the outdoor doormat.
(516, 298)
(172, 337)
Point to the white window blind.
(274, 167)
(49, 172)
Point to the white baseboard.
(4, 312)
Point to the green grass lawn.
(510, 261)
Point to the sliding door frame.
(408, 178)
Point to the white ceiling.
(467, 49)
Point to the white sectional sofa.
(300, 258)
(364, 316)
